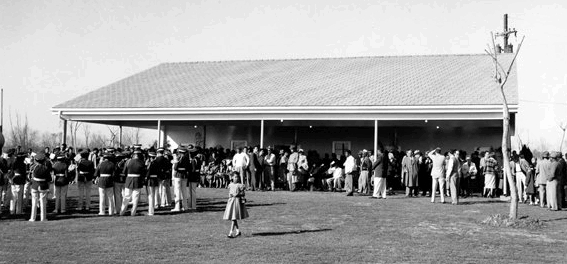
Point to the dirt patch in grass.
(525, 222)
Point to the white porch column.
(159, 134)
(262, 133)
(119, 136)
(375, 139)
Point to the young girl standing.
(235, 207)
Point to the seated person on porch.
(338, 179)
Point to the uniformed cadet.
(18, 180)
(103, 174)
(85, 174)
(61, 182)
(164, 178)
(181, 168)
(41, 176)
(119, 180)
(152, 182)
(133, 170)
(193, 179)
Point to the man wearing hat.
(543, 170)
(41, 176)
(119, 179)
(104, 177)
(152, 180)
(164, 177)
(135, 170)
(61, 183)
(181, 168)
(193, 178)
(85, 174)
(292, 168)
(18, 172)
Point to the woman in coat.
(410, 171)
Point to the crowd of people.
(171, 178)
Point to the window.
(235, 144)
(339, 147)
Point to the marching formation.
(120, 175)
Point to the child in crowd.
(235, 207)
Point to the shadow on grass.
(482, 202)
(290, 232)
(556, 219)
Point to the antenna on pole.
(508, 48)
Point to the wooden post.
(158, 134)
(120, 136)
(64, 139)
(204, 136)
(262, 133)
(375, 139)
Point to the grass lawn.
(309, 227)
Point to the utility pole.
(508, 48)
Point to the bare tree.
(87, 134)
(562, 126)
(21, 134)
(98, 141)
(73, 129)
(501, 76)
(50, 139)
(113, 135)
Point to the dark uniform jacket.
(164, 167)
(18, 172)
(60, 173)
(41, 176)
(104, 173)
(135, 170)
(152, 176)
(119, 176)
(195, 171)
(183, 168)
(85, 170)
(378, 166)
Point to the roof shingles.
(364, 81)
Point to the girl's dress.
(235, 208)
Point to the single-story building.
(325, 104)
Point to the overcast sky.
(52, 51)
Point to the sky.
(53, 51)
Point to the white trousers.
(152, 201)
(41, 197)
(164, 192)
(180, 190)
(84, 194)
(521, 185)
(134, 196)
(434, 183)
(61, 198)
(379, 187)
(106, 198)
(118, 196)
(17, 199)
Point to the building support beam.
(159, 139)
(64, 135)
(262, 133)
(120, 136)
(375, 139)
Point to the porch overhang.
(429, 112)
